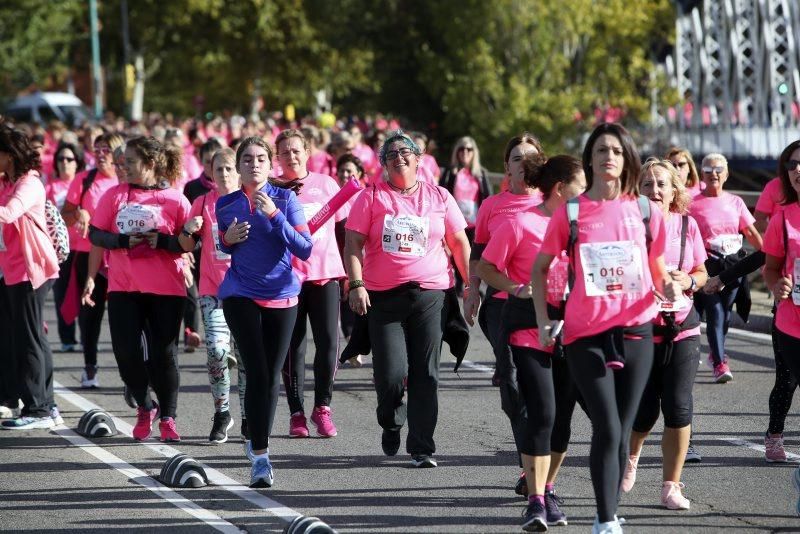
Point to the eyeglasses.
(102, 150)
(466, 149)
(394, 154)
(719, 169)
(680, 164)
(65, 159)
(792, 164)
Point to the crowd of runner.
(588, 276)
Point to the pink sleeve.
(359, 219)
(502, 245)
(454, 220)
(745, 218)
(74, 192)
(773, 238)
(766, 200)
(482, 221)
(29, 192)
(184, 210)
(557, 234)
(103, 218)
(197, 207)
(699, 254)
(657, 231)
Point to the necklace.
(402, 191)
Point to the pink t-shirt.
(771, 198)
(432, 170)
(322, 163)
(466, 191)
(787, 318)
(325, 263)
(56, 191)
(694, 255)
(613, 284)
(142, 269)
(405, 235)
(721, 220)
(513, 250)
(88, 202)
(695, 190)
(213, 262)
(366, 155)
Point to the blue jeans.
(718, 308)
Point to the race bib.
(310, 210)
(2, 241)
(726, 244)
(405, 234)
(137, 219)
(469, 209)
(681, 304)
(796, 283)
(217, 251)
(611, 268)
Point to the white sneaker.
(55, 415)
(609, 527)
(28, 423)
(6, 412)
(89, 378)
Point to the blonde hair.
(475, 167)
(693, 180)
(680, 198)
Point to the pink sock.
(533, 498)
(548, 488)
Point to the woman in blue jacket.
(261, 226)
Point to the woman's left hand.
(151, 237)
(264, 204)
(672, 290)
(682, 278)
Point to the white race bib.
(310, 210)
(217, 251)
(469, 209)
(405, 234)
(612, 268)
(2, 241)
(726, 244)
(137, 219)
(796, 282)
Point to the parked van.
(43, 107)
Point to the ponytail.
(558, 169)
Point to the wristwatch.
(184, 232)
(694, 283)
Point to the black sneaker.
(423, 460)
(390, 441)
(551, 504)
(535, 518)
(245, 431)
(521, 487)
(219, 430)
(693, 455)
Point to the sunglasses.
(394, 154)
(466, 149)
(792, 164)
(65, 159)
(719, 169)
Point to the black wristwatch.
(187, 234)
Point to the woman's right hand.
(194, 224)
(82, 219)
(782, 289)
(359, 300)
(545, 334)
(237, 232)
(88, 289)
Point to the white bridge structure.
(735, 68)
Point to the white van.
(43, 107)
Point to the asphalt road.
(53, 481)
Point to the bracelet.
(186, 233)
(694, 283)
(355, 284)
(519, 288)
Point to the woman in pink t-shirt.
(347, 166)
(724, 221)
(676, 335)
(29, 266)
(318, 301)
(399, 271)
(682, 160)
(467, 180)
(139, 222)
(214, 263)
(617, 260)
(543, 381)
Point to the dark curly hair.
(165, 159)
(17, 145)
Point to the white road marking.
(794, 458)
(215, 477)
(478, 367)
(745, 334)
(146, 481)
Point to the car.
(42, 107)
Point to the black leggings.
(550, 396)
(320, 304)
(789, 352)
(262, 335)
(90, 318)
(612, 398)
(144, 336)
(9, 384)
(780, 398)
(669, 388)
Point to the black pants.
(669, 388)
(263, 336)
(612, 398)
(90, 318)
(320, 305)
(30, 348)
(9, 392)
(66, 332)
(789, 352)
(405, 328)
(780, 398)
(144, 336)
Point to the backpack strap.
(644, 208)
(86, 184)
(684, 230)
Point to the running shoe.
(390, 441)
(219, 428)
(261, 475)
(55, 415)
(796, 482)
(169, 433)
(297, 425)
(356, 361)
(535, 517)
(248, 450)
(554, 515)
(672, 498)
(773, 448)
(321, 416)
(722, 373)
(609, 527)
(28, 423)
(71, 347)
(129, 399)
(6, 412)
(423, 461)
(629, 478)
(89, 377)
(693, 455)
(144, 422)
(521, 488)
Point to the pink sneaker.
(722, 373)
(321, 416)
(168, 432)
(773, 448)
(629, 479)
(297, 426)
(144, 422)
(672, 498)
